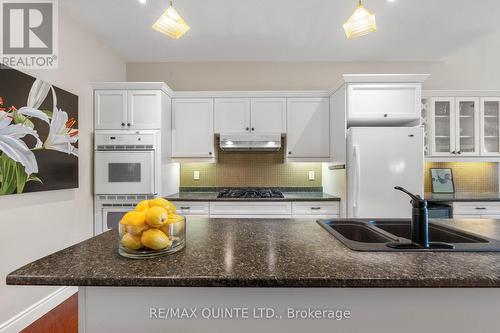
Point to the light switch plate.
(196, 175)
(312, 175)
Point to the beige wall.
(37, 224)
(467, 177)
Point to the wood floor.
(62, 319)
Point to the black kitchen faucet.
(419, 226)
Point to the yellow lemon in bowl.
(156, 216)
(155, 239)
(142, 206)
(134, 218)
(171, 208)
(158, 202)
(132, 242)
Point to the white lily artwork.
(38, 145)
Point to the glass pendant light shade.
(171, 23)
(360, 23)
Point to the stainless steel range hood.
(250, 142)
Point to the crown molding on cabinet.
(253, 94)
(460, 93)
(385, 78)
(133, 86)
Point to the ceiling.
(288, 30)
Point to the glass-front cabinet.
(467, 126)
(454, 126)
(442, 126)
(490, 126)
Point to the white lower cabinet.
(259, 209)
(476, 210)
(251, 209)
(308, 209)
(192, 208)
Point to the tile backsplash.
(250, 169)
(467, 176)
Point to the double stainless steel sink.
(375, 235)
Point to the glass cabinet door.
(467, 126)
(442, 123)
(490, 126)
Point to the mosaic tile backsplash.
(468, 176)
(250, 169)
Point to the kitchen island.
(278, 264)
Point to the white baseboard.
(37, 310)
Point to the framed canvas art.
(38, 135)
(442, 180)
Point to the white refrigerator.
(378, 159)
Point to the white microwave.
(125, 164)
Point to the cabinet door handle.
(128, 124)
(209, 153)
(247, 128)
(289, 153)
(453, 152)
(459, 152)
(123, 124)
(253, 129)
(185, 207)
(481, 208)
(385, 115)
(315, 208)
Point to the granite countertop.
(265, 253)
(462, 196)
(289, 196)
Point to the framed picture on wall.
(442, 180)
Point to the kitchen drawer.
(320, 208)
(257, 208)
(476, 208)
(189, 208)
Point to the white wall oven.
(109, 209)
(125, 163)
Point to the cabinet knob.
(453, 152)
(123, 124)
(209, 153)
(459, 152)
(128, 124)
(253, 129)
(248, 128)
(289, 153)
(385, 115)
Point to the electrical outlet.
(311, 175)
(196, 175)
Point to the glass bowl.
(143, 241)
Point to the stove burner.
(251, 193)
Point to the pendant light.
(171, 23)
(360, 23)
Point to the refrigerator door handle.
(357, 179)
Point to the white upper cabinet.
(192, 128)
(454, 126)
(467, 126)
(308, 128)
(383, 103)
(144, 109)
(232, 115)
(127, 109)
(490, 126)
(110, 109)
(250, 115)
(268, 115)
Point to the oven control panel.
(124, 139)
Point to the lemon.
(174, 218)
(156, 216)
(134, 218)
(172, 229)
(142, 206)
(155, 239)
(158, 202)
(171, 208)
(137, 230)
(131, 241)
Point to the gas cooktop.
(250, 193)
